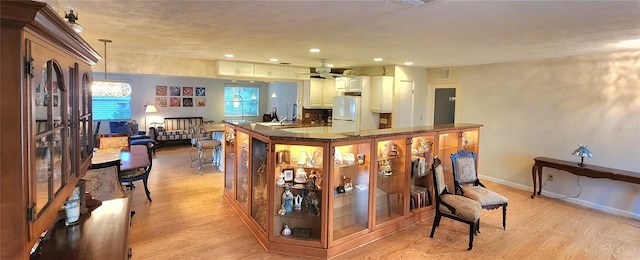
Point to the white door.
(403, 108)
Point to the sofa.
(174, 129)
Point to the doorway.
(444, 111)
(443, 101)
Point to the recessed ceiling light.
(273, 59)
(228, 55)
(314, 50)
(408, 63)
(377, 59)
(330, 65)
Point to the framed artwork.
(288, 174)
(200, 91)
(161, 91)
(175, 102)
(174, 91)
(201, 102)
(161, 102)
(187, 91)
(187, 102)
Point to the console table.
(591, 171)
(101, 234)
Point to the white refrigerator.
(346, 114)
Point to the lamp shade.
(236, 101)
(583, 151)
(150, 109)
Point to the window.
(111, 100)
(241, 100)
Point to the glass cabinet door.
(229, 157)
(85, 119)
(259, 182)
(391, 179)
(421, 181)
(448, 143)
(242, 172)
(451, 142)
(51, 134)
(350, 181)
(297, 196)
(470, 140)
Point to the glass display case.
(242, 171)
(421, 181)
(450, 142)
(391, 178)
(298, 192)
(229, 158)
(259, 194)
(350, 180)
(319, 195)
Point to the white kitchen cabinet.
(303, 73)
(233, 68)
(350, 84)
(268, 71)
(261, 70)
(381, 94)
(320, 93)
(289, 72)
(341, 84)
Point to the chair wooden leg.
(504, 216)
(436, 222)
(477, 227)
(472, 228)
(146, 190)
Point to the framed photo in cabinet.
(288, 174)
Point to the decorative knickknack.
(286, 231)
(287, 200)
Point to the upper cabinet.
(260, 70)
(381, 94)
(233, 68)
(350, 84)
(46, 76)
(267, 71)
(319, 93)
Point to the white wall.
(287, 95)
(547, 108)
(144, 92)
(419, 78)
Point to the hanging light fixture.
(106, 88)
(71, 21)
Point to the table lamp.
(583, 152)
(148, 109)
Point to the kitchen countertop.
(275, 131)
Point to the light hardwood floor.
(189, 219)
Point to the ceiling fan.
(325, 72)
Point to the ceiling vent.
(444, 74)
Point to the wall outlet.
(550, 177)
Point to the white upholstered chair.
(465, 178)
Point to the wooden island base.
(323, 194)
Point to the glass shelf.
(305, 223)
(350, 208)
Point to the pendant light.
(106, 88)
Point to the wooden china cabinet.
(45, 125)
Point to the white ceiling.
(441, 33)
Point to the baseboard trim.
(580, 202)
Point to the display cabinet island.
(319, 194)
